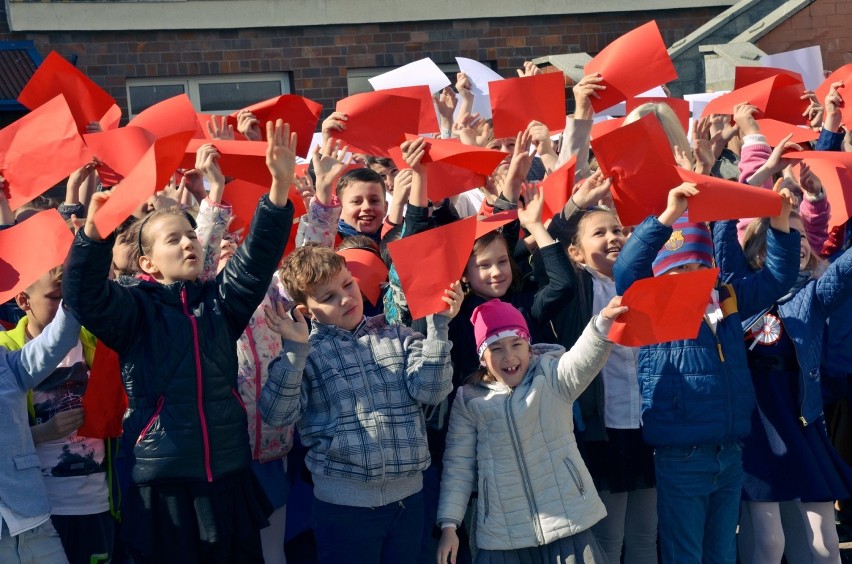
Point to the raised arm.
(39, 358)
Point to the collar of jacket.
(322, 329)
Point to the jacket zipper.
(199, 387)
(727, 373)
(372, 407)
(575, 475)
(522, 465)
(485, 497)
(258, 389)
(160, 401)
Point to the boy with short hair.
(73, 467)
(357, 407)
(25, 527)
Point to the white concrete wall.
(214, 14)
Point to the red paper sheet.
(443, 180)
(639, 159)
(173, 115)
(775, 131)
(743, 76)
(368, 269)
(31, 248)
(485, 225)
(39, 150)
(105, 400)
(777, 97)
(720, 199)
(377, 121)
(87, 100)
(443, 253)
(243, 197)
(454, 152)
(301, 113)
(557, 188)
(836, 179)
(428, 122)
(150, 175)
(665, 308)
(844, 74)
(632, 64)
(245, 160)
(515, 102)
(603, 127)
(678, 105)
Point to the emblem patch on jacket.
(675, 241)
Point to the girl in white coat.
(511, 431)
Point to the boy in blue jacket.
(26, 533)
(697, 394)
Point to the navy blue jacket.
(803, 316)
(177, 347)
(699, 391)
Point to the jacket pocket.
(576, 476)
(485, 500)
(26, 461)
(239, 399)
(160, 401)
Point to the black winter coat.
(176, 344)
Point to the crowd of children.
(506, 426)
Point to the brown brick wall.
(826, 23)
(319, 56)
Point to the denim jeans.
(40, 545)
(698, 499)
(389, 534)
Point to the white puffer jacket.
(519, 444)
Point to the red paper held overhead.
(301, 113)
(777, 97)
(632, 64)
(243, 197)
(639, 159)
(515, 102)
(39, 150)
(485, 225)
(88, 101)
(29, 249)
(843, 74)
(368, 269)
(775, 131)
(443, 253)
(663, 309)
(150, 174)
(719, 199)
(377, 121)
(428, 121)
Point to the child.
(193, 496)
(788, 456)
(609, 431)
(357, 408)
(697, 395)
(510, 434)
(74, 468)
(26, 533)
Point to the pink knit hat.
(495, 320)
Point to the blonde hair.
(308, 266)
(754, 244)
(668, 119)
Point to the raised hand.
(467, 128)
(291, 325)
(744, 117)
(453, 297)
(613, 309)
(329, 163)
(335, 122)
(833, 103)
(814, 111)
(97, 202)
(218, 128)
(677, 202)
(529, 69)
(249, 126)
(584, 91)
(590, 191)
(280, 159)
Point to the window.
(221, 94)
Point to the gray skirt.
(581, 548)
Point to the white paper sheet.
(807, 62)
(424, 71)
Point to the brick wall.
(826, 23)
(319, 56)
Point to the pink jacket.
(815, 212)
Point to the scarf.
(347, 230)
